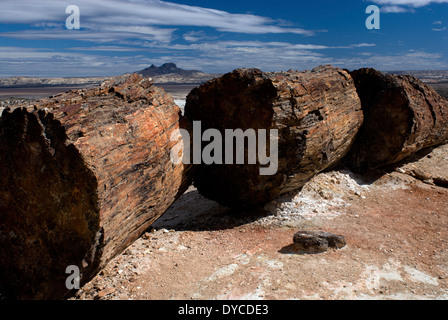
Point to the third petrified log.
(317, 114)
(402, 115)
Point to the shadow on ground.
(193, 212)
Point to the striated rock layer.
(317, 114)
(402, 115)
(83, 175)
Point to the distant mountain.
(167, 68)
(170, 73)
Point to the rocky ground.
(4, 103)
(395, 222)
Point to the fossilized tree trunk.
(317, 115)
(402, 115)
(82, 176)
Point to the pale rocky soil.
(395, 225)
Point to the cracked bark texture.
(83, 175)
(402, 115)
(317, 114)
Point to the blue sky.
(120, 36)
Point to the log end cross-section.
(83, 175)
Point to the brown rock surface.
(402, 115)
(317, 115)
(83, 175)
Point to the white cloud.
(107, 49)
(438, 23)
(209, 57)
(394, 9)
(111, 14)
(401, 6)
(248, 50)
(52, 63)
(407, 60)
(195, 36)
(362, 45)
(101, 35)
(150, 25)
(411, 3)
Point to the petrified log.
(82, 176)
(402, 115)
(317, 114)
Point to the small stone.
(309, 243)
(421, 174)
(105, 292)
(147, 236)
(98, 286)
(317, 241)
(88, 287)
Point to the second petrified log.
(317, 114)
(402, 115)
(82, 176)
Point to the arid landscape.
(223, 158)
